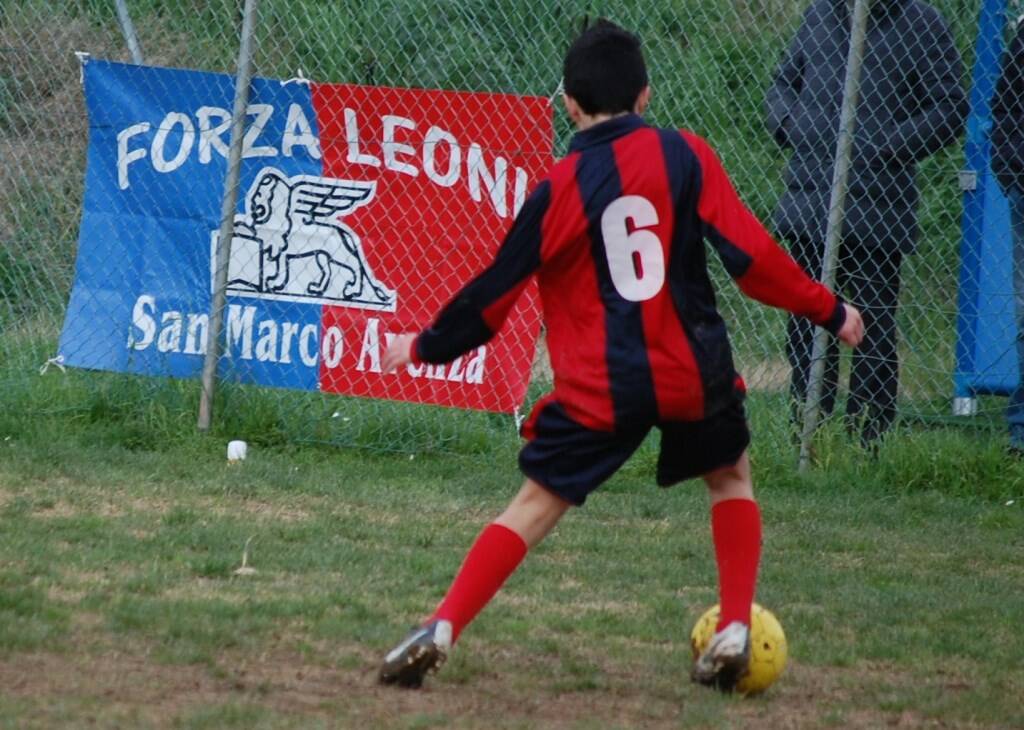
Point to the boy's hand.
(397, 353)
(852, 331)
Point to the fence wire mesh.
(762, 80)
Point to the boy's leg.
(736, 530)
(497, 552)
(716, 449)
(494, 556)
(571, 460)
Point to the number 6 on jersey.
(635, 260)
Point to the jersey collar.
(606, 131)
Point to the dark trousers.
(869, 279)
(1015, 409)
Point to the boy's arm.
(759, 266)
(478, 311)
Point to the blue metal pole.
(989, 49)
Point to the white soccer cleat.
(726, 659)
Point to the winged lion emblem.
(291, 243)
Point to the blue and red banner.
(361, 210)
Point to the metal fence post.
(128, 29)
(227, 217)
(836, 212)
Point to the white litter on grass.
(245, 569)
(1010, 502)
(519, 418)
(237, 451)
(58, 362)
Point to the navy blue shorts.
(572, 460)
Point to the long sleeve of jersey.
(480, 308)
(761, 268)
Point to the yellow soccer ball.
(768, 650)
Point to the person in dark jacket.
(1008, 166)
(912, 104)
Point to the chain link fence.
(762, 80)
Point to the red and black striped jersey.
(615, 235)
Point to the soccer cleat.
(726, 659)
(423, 650)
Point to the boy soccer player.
(615, 235)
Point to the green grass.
(897, 577)
(897, 580)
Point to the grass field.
(899, 582)
(898, 578)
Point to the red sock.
(494, 556)
(736, 529)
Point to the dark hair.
(604, 70)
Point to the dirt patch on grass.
(263, 511)
(769, 376)
(240, 589)
(115, 504)
(63, 594)
(108, 684)
(56, 510)
(118, 684)
(573, 608)
(494, 687)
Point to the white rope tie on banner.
(57, 361)
(558, 90)
(298, 79)
(83, 58)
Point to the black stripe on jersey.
(629, 370)
(461, 326)
(735, 259)
(688, 280)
